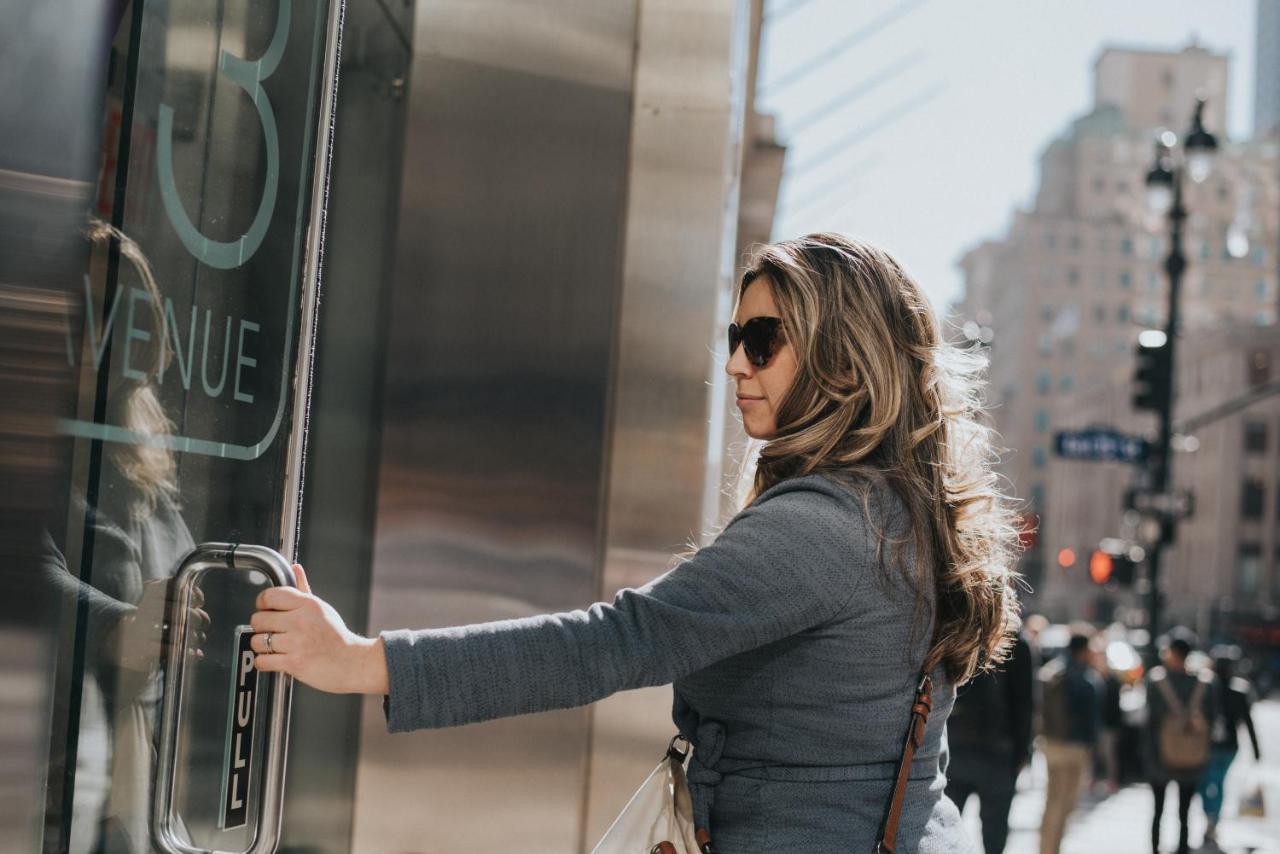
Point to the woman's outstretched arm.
(785, 564)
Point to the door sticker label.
(241, 717)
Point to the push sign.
(240, 721)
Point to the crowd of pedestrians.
(1069, 703)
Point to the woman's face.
(760, 390)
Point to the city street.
(1119, 824)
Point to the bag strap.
(920, 708)
(1171, 698)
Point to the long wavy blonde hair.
(879, 396)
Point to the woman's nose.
(738, 363)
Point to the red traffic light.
(1100, 566)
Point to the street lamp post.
(1164, 185)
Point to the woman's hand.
(310, 642)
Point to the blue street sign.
(1100, 443)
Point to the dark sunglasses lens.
(757, 336)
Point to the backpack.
(1055, 705)
(1183, 738)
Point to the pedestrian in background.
(1234, 701)
(1112, 720)
(989, 738)
(1071, 716)
(1181, 710)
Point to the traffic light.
(1116, 561)
(1152, 373)
(1100, 566)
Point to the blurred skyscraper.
(1079, 274)
(1266, 69)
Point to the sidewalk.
(1120, 823)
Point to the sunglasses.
(758, 336)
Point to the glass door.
(191, 345)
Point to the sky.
(945, 105)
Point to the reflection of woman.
(138, 537)
(794, 640)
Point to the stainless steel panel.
(564, 255)
(664, 472)
(496, 399)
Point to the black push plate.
(239, 756)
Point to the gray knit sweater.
(793, 660)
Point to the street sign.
(1175, 505)
(1100, 443)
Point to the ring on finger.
(267, 641)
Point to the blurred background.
(431, 297)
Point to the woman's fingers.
(272, 621)
(271, 663)
(280, 643)
(282, 599)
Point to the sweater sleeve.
(785, 564)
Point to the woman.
(1234, 701)
(795, 640)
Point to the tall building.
(1266, 69)
(1080, 273)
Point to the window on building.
(1251, 497)
(1044, 382)
(1042, 420)
(1067, 383)
(1046, 313)
(1073, 243)
(1255, 436)
(1154, 247)
(1126, 279)
(1258, 367)
(1248, 568)
(1205, 250)
(1126, 246)
(1050, 239)
(1260, 289)
(1153, 281)
(1099, 313)
(1122, 315)
(1259, 256)
(1073, 276)
(1039, 457)
(1068, 347)
(1099, 185)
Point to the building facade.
(1080, 273)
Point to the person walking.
(1112, 723)
(873, 546)
(1234, 701)
(989, 736)
(1181, 709)
(1071, 719)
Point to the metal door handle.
(164, 813)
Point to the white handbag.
(659, 817)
